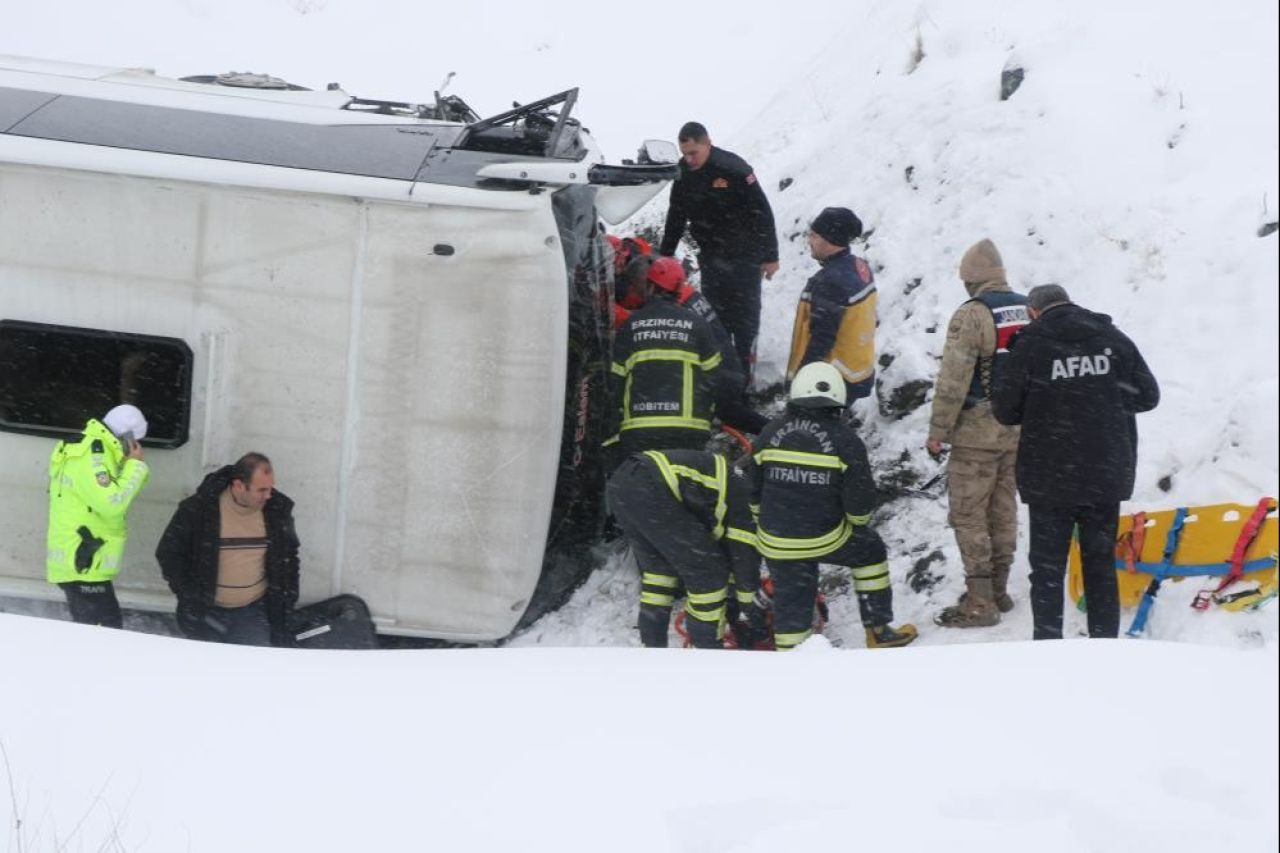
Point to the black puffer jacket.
(1074, 382)
(188, 553)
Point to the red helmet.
(667, 274)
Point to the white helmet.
(818, 384)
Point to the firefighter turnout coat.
(665, 371)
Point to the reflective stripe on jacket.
(91, 487)
(836, 319)
(811, 484)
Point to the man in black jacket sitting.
(1074, 382)
(230, 555)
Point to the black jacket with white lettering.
(665, 372)
(1074, 382)
(811, 482)
(725, 209)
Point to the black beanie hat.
(837, 225)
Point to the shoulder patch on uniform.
(104, 479)
(751, 178)
(863, 269)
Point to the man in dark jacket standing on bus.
(230, 555)
(719, 199)
(1074, 382)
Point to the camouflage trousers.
(983, 510)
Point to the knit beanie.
(125, 419)
(982, 264)
(837, 225)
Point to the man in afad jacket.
(718, 198)
(981, 490)
(1074, 383)
(836, 316)
(92, 484)
(230, 555)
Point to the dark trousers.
(795, 587)
(93, 603)
(1051, 529)
(674, 551)
(733, 289)
(243, 626)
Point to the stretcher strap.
(1248, 534)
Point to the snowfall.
(1136, 165)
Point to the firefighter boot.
(975, 609)
(1000, 589)
(888, 637)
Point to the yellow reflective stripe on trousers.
(706, 606)
(744, 596)
(657, 598)
(800, 457)
(871, 578)
(785, 642)
(858, 520)
(737, 534)
(655, 579)
(778, 548)
(716, 597)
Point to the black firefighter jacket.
(811, 483)
(725, 209)
(666, 373)
(1074, 382)
(188, 552)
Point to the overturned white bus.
(404, 305)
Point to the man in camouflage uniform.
(980, 476)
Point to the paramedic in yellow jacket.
(92, 483)
(836, 317)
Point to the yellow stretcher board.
(1204, 548)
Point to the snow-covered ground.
(1135, 166)
(150, 743)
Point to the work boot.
(888, 637)
(1000, 589)
(975, 609)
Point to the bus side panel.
(257, 284)
(460, 407)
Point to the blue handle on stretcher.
(1160, 573)
(1195, 570)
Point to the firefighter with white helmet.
(813, 495)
